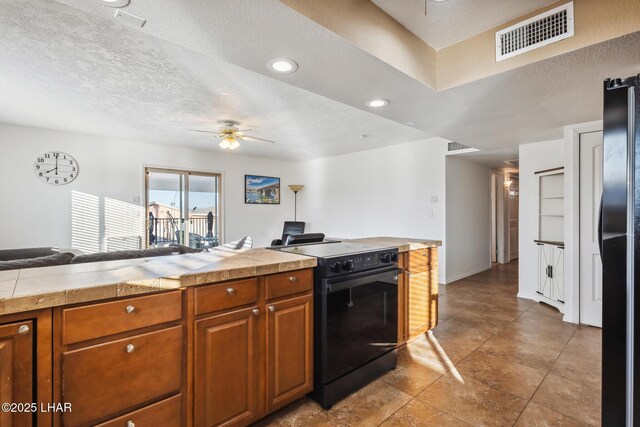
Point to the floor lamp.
(295, 188)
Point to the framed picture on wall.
(261, 190)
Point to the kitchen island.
(220, 338)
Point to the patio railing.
(171, 230)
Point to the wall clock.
(56, 168)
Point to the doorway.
(183, 207)
(591, 163)
(514, 215)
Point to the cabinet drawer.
(100, 320)
(292, 282)
(422, 259)
(226, 295)
(108, 378)
(164, 413)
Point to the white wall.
(33, 213)
(380, 192)
(468, 225)
(533, 157)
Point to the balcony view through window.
(182, 208)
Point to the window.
(183, 207)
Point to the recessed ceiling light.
(377, 103)
(114, 3)
(282, 65)
(412, 124)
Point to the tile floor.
(493, 360)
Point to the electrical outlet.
(135, 199)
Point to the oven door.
(360, 320)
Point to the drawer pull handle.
(424, 254)
(23, 330)
(272, 308)
(256, 311)
(293, 279)
(131, 424)
(231, 291)
(129, 348)
(130, 309)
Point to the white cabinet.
(551, 205)
(551, 271)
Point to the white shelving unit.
(551, 235)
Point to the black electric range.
(355, 316)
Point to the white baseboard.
(467, 274)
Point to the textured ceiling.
(64, 69)
(493, 158)
(452, 21)
(81, 70)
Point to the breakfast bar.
(215, 338)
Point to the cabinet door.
(558, 275)
(544, 261)
(227, 369)
(16, 371)
(289, 350)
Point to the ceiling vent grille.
(455, 146)
(541, 30)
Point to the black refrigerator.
(620, 251)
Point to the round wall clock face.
(56, 168)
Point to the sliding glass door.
(183, 207)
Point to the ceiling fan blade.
(259, 139)
(203, 131)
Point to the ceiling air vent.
(455, 146)
(541, 30)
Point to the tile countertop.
(403, 244)
(44, 287)
(36, 288)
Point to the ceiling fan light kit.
(231, 136)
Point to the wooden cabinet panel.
(109, 318)
(109, 378)
(226, 295)
(290, 351)
(418, 301)
(294, 282)
(422, 259)
(16, 371)
(402, 309)
(227, 369)
(422, 302)
(167, 412)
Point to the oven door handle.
(359, 279)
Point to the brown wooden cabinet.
(289, 350)
(25, 366)
(16, 371)
(118, 357)
(418, 290)
(227, 366)
(256, 355)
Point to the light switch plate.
(430, 213)
(434, 199)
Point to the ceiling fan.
(230, 135)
